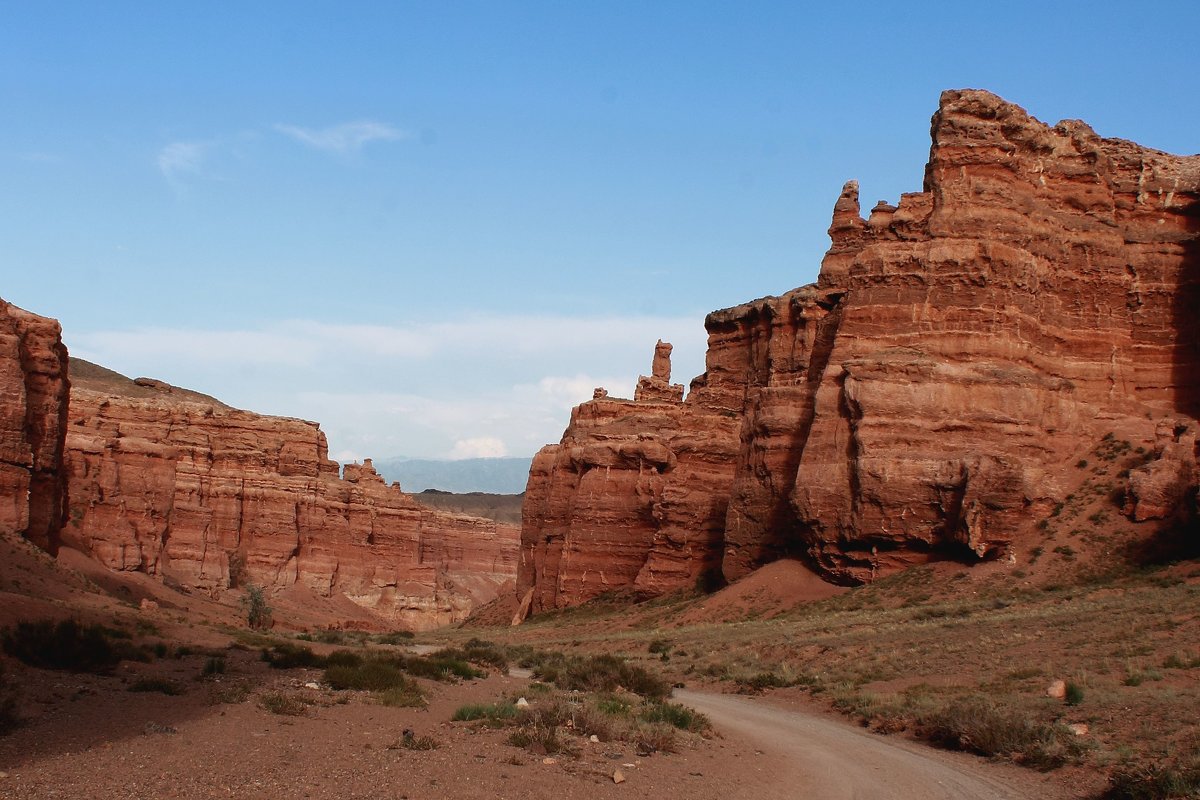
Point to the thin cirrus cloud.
(189, 159)
(348, 137)
(182, 158)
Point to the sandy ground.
(91, 737)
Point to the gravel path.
(819, 758)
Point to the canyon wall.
(33, 418)
(210, 498)
(922, 398)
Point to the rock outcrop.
(921, 399)
(33, 418)
(210, 498)
(635, 495)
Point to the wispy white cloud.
(181, 158)
(485, 384)
(345, 138)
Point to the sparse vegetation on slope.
(963, 658)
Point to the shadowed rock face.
(33, 416)
(958, 349)
(174, 484)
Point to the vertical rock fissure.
(1185, 319)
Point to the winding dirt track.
(826, 759)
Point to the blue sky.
(434, 227)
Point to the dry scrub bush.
(286, 704)
(980, 726)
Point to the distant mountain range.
(492, 475)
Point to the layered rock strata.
(921, 399)
(211, 498)
(634, 495)
(33, 417)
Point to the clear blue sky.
(433, 227)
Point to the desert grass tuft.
(494, 714)
(285, 704)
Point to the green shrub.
(1074, 695)
(214, 666)
(329, 636)
(1181, 661)
(539, 739)
(343, 658)
(254, 604)
(495, 714)
(588, 720)
(677, 715)
(555, 711)
(230, 692)
(604, 673)
(1158, 781)
(655, 737)
(481, 651)
(291, 656)
(407, 695)
(763, 680)
(980, 726)
(373, 675)
(444, 665)
(70, 645)
(285, 704)
(155, 685)
(613, 706)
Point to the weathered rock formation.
(33, 417)
(635, 495)
(176, 484)
(922, 397)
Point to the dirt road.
(819, 758)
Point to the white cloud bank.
(483, 386)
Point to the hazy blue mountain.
(493, 475)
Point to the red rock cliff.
(958, 349)
(33, 417)
(176, 484)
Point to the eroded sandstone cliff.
(921, 399)
(176, 484)
(33, 416)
